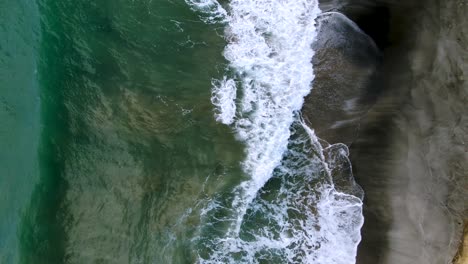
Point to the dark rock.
(346, 63)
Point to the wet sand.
(462, 254)
(409, 145)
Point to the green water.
(19, 118)
(111, 165)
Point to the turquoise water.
(110, 149)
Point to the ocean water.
(151, 131)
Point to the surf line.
(270, 50)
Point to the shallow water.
(118, 156)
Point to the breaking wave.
(289, 210)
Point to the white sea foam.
(223, 98)
(212, 10)
(309, 221)
(270, 50)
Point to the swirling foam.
(269, 49)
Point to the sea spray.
(269, 51)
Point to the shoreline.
(410, 152)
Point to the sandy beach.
(408, 130)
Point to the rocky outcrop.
(346, 63)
